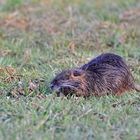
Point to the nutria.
(103, 75)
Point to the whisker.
(68, 85)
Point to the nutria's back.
(106, 58)
(105, 74)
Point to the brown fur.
(106, 74)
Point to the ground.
(39, 39)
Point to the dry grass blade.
(84, 114)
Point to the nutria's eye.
(76, 73)
(94, 64)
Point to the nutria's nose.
(51, 86)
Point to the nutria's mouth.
(60, 94)
(64, 90)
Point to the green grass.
(12, 4)
(36, 40)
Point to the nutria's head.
(70, 82)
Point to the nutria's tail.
(137, 87)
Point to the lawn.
(38, 39)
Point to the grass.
(39, 39)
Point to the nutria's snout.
(105, 74)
